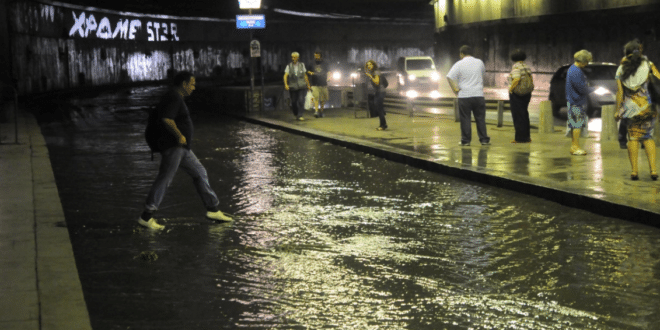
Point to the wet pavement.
(327, 235)
(598, 182)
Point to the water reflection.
(326, 237)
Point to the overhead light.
(249, 4)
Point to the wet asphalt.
(330, 237)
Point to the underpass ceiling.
(274, 9)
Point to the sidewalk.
(39, 284)
(598, 182)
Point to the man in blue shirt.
(577, 93)
(466, 80)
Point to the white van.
(417, 76)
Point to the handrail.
(398, 101)
(15, 111)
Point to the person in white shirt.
(297, 83)
(466, 80)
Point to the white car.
(417, 76)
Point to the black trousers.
(520, 115)
(297, 101)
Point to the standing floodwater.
(328, 238)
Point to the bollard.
(500, 113)
(609, 130)
(456, 115)
(411, 107)
(546, 121)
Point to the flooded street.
(325, 237)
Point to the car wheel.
(559, 111)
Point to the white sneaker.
(218, 216)
(151, 224)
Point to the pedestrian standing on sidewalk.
(577, 93)
(633, 102)
(521, 85)
(173, 132)
(623, 123)
(319, 82)
(297, 83)
(466, 80)
(374, 75)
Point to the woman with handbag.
(374, 75)
(521, 86)
(633, 102)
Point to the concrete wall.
(60, 46)
(472, 11)
(551, 40)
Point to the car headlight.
(412, 77)
(336, 75)
(435, 94)
(602, 91)
(435, 76)
(412, 94)
(402, 81)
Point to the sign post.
(251, 22)
(255, 51)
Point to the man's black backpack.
(152, 131)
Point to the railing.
(4, 87)
(408, 104)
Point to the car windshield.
(600, 72)
(421, 64)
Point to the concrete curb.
(45, 290)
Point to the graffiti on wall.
(85, 25)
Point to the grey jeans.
(171, 159)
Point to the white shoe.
(151, 224)
(218, 216)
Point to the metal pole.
(262, 85)
(15, 115)
(251, 102)
(500, 113)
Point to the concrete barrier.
(546, 121)
(609, 130)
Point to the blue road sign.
(250, 21)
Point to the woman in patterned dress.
(633, 102)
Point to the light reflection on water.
(326, 237)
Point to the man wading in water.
(172, 133)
